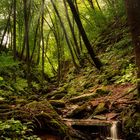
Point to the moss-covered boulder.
(57, 103)
(45, 117)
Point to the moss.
(57, 103)
(58, 96)
(79, 112)
(51, 124)
(59, 126)
(100, 108)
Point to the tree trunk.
(26, 22)
(35, 39)
(72, 32)
(133, 12)
(95, 59)
(5, 30)
(66, 36)
(42, 39)
(14, 30)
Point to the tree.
(5, 29)
(42, 39)
(95, 59)
(26, 22)
(77, 52)
(65, 33)
(14, 29)
(133, 13)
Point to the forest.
(69, 70)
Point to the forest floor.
(88, 99)
(94, 97)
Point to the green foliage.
(20, 85)
(6, 61)
(114, 9)
(9, 68)
(1, 80)
(14, 129)
(127, 75)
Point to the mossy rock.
(38, 107)
(57, 103)
(45, 117)
(51, 124)
(58, 96)
(80, 112)
(100, 109)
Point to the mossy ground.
(85, 94)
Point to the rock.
(57, 103)
(99, 109)
(80, 111)
(56, 94)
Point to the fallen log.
(87, 122)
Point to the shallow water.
(49, 137)
(114, 131)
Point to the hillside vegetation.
(67, 77)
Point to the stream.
(104, 134)
(113, 131)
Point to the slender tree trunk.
(14, 38)
(26, 22)
(14, 30)
(42, 39)
(5, 30)
(72, 31)
(91, 4)
(23, 46)
(35, 40)
(95, 59)
(98, 6)
(133, 12)
(55, 30)
(66, 36)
